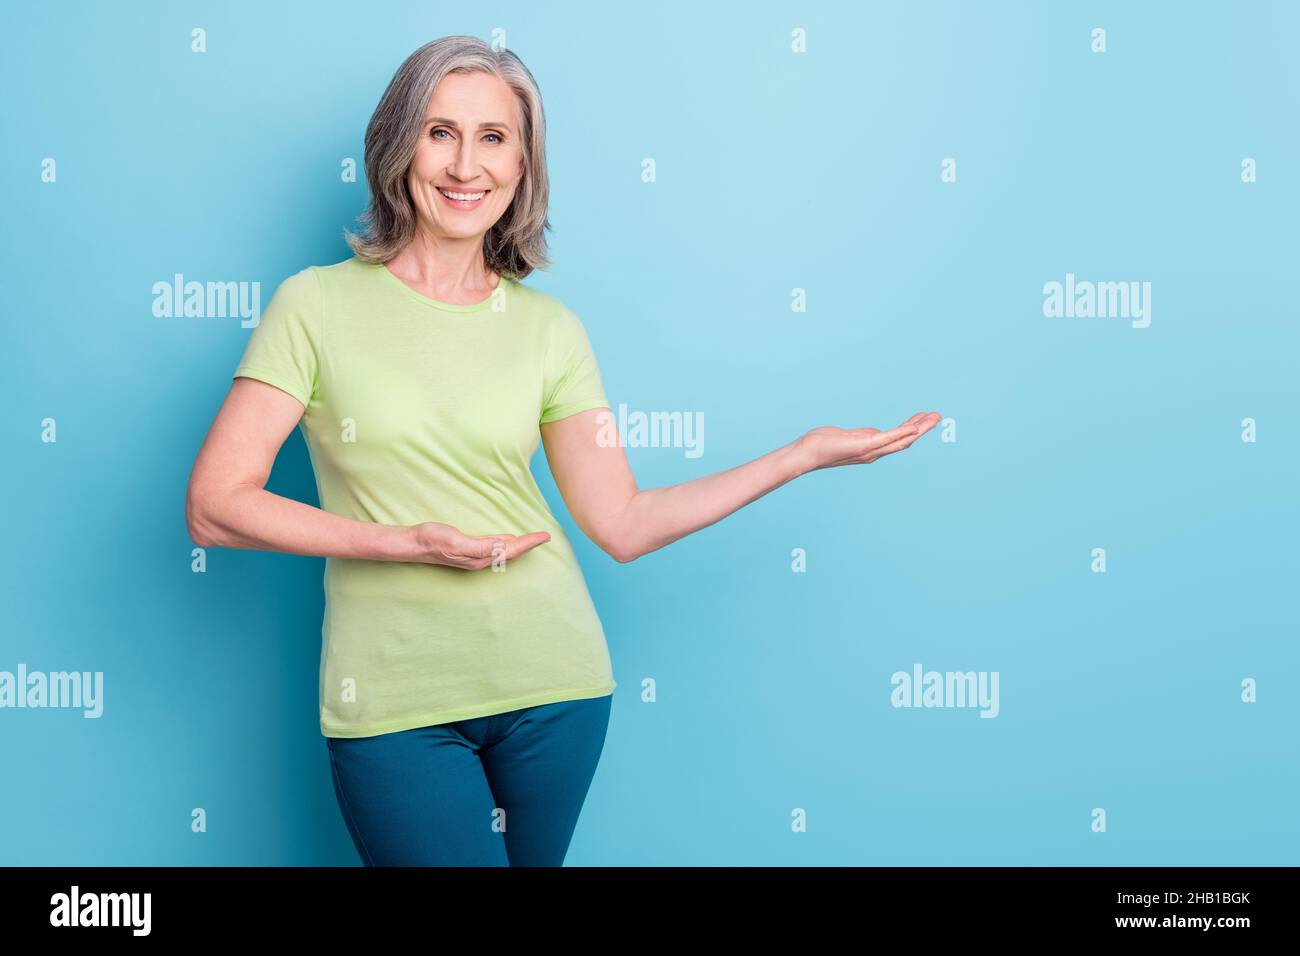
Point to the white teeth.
(463, 197)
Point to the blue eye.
(440, 129)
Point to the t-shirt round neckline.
(438, 303)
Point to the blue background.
(776, 171)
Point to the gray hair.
(516, 244)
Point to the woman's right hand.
(436, 543)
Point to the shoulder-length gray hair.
(516, 244)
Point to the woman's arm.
(601, 493)
(226, 504)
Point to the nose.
(463, 167)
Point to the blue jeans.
(502, 790)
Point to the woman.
(465, 682)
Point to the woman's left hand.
(828, 446)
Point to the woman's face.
(470, 145)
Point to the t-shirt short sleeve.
(284, 348)
(573, 381)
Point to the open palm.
(828, 446)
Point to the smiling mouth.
(463, 200)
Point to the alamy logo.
(56, 689)
(946, 689)
(1104, 300)
(656, 430)
(102, 909)
(211, 300)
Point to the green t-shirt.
(418, 410)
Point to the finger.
(524, 543)
(490, 548)
(873, 441)
(925, 421)
(891, 448)
(917, 425)
(481, 547)
(922, 421)
(904, 442)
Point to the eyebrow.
(452, 122)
